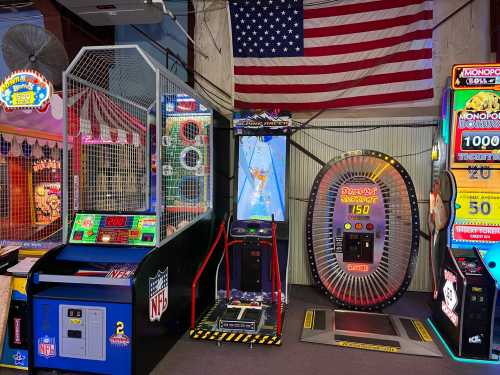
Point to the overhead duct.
(115, 12)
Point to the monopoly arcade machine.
(114, 298)
(467, 157)
(251, 289)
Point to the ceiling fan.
(26, 46)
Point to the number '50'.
(475, 207)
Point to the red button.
(369, 226)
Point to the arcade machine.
(251, 289)
(362, 237)
(114, 298)
(466, 214)
(30, 194)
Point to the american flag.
(317, 54)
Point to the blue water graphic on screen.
(261, 178)
(492, 260)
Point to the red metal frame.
(275, 273)
(222, 230)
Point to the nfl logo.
(47, 346)
(158, 295)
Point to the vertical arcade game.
(251, 289)
(114, 298)
(466, 207)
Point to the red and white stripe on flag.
(353, 53)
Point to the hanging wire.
(414, 153)
(323, 143)
(219, 49)
(340, 150)
(352, 131)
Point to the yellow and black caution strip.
(241, 337)
(207, 318)
(422, 331)
(366, 346)
(309, 319)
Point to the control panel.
(359, 225)
(479, 295)
(251, 228)
(82, 332)
(470, 265)
(114, 229)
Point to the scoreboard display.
(476, 127)
(114, 229)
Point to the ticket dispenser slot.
(17, 323)
(82, 332)
(358, 247)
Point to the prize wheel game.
(362, 230)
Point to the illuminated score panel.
(476, 127)
(477, 216)
(477, 146)
(360, 209)
(477, 208)
(138, 230)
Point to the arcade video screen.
(261, 178)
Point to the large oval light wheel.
(362, 230)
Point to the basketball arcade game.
(251, 289)
(114, 298)
(466, 158)
(362, 236)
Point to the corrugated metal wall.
(411, 146)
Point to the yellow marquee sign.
(25, 89)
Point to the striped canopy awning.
(16, 145)
(98, 119)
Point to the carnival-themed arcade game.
(31, 126)
(115, 297)
(30, 160)
(362, 236)
(466, 213)
(251, 289)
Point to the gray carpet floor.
(189, 357)
(297, 358)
